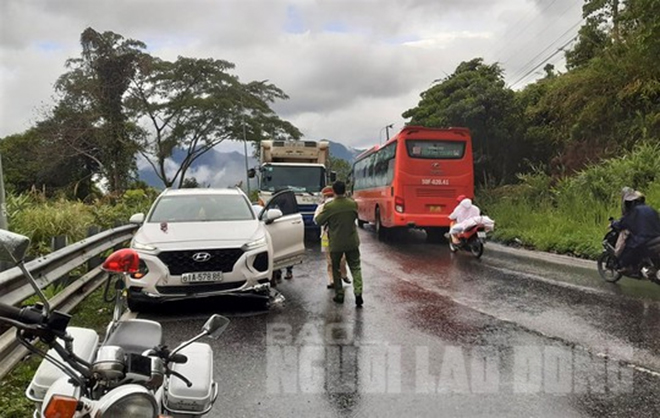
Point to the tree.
(94, 88)
(195, 104)
(36, 163)
(475, 96)
(592, 41)
(341, 167)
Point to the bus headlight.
(128, 401)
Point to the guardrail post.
(57, 243)
(96, 260)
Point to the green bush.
(570, 216)
(41, 219)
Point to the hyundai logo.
(435, 165)
(201, 257)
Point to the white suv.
(205, 242)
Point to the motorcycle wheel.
(607, 268)
(477, 249)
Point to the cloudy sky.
(349, 67)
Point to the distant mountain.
(224, 169)
(338, 150)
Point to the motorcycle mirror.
(216, 325)
(125, 260)
(13, 246)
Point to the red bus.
(413, 180)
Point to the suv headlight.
(128, 401)
(253, 245)
(143, 247)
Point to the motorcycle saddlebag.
(198, 399)
(84, 345)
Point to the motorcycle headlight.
(253, 245)
(128, 401)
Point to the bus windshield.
(296, 178)
(440, 150)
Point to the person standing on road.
(328, 195)
(340, 216)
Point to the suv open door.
(287, 232)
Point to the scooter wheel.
(477, 249)
(607, 268)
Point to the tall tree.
(475, 96)
(38, 162)
(192, 105)
(95, 86)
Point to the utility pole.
(387, 131)
(3, 205)
(247, 176)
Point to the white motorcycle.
(131, 374)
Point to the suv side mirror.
(272, 215)
(138, 218)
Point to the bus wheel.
(381, 231)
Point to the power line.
(561, 48)
(548, 26)
(552, 44)
(502, 49)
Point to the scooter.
(127, 375)
(471, 239)
(608, 266)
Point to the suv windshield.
(297, 179)
(201, 208)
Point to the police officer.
(340, 215)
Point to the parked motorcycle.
(471, 239)
(608, 265)
(131, 374)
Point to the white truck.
(300, 166)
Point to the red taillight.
(61, 407)
(122, 261)
(399, 204)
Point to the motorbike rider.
(463, 211)
(643, 224)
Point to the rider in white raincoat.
(467, 215)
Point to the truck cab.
(299, 166)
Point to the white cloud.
(349, 67)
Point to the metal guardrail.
(14, 288)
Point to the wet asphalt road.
(440, 334)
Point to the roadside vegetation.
(570, 215)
